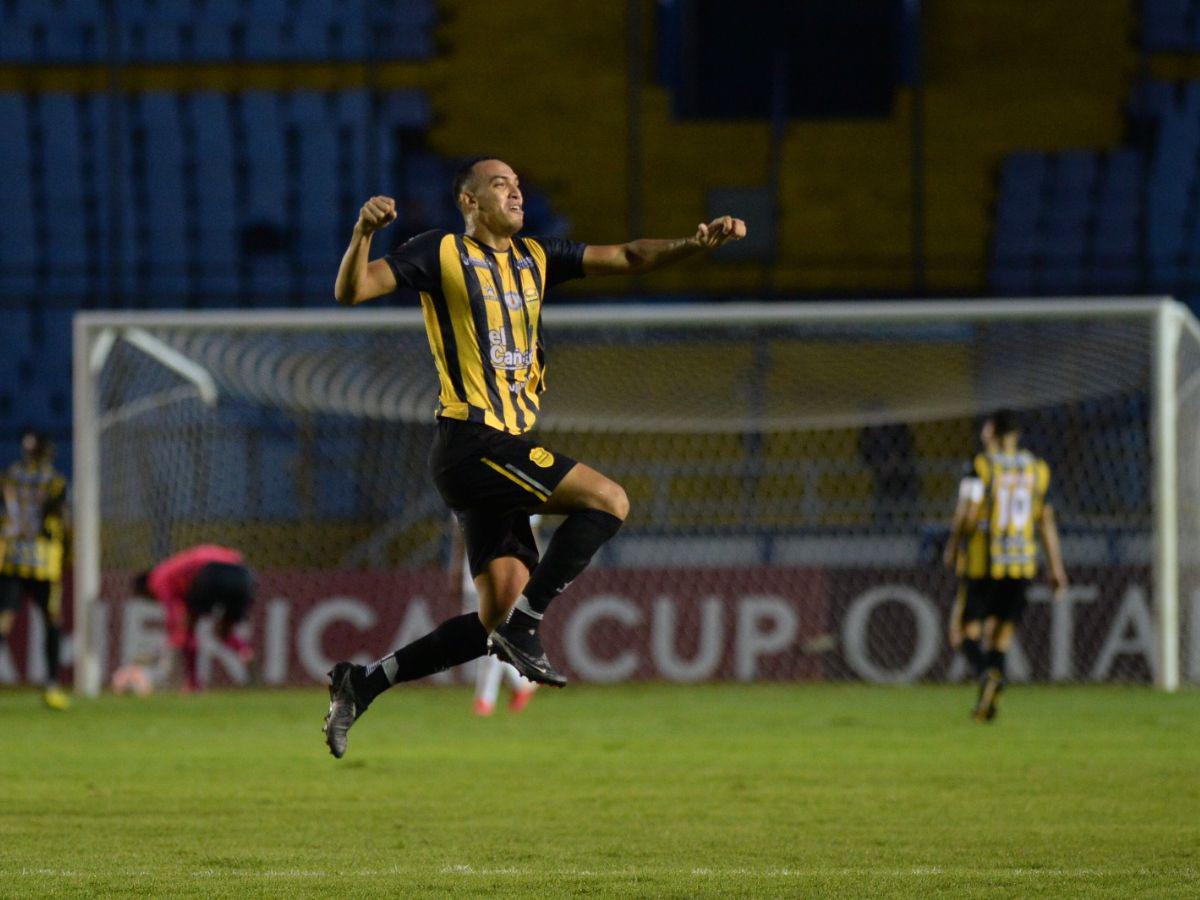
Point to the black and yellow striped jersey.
(1017, 487)
(35, 498)
(972, 557)
(482, 312)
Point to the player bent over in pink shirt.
(196, 582)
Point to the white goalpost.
(791, 467)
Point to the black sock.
(974, 654)
(452, 643)
(995, 660)
(53, 640)
(574, 544)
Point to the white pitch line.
(701, 872)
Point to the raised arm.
(648, 254)
(358, 278)
(1049, 530)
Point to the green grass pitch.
(757, 790)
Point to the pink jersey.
(171, 579)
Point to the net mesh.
(791, 484)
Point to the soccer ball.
(132, 679)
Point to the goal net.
(792, 470)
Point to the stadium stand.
(1069, 223)
(205, 31)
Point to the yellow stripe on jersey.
(484, 327)
(520, 482)
(1017, 487)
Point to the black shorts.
(493, 480)
(975, 598)
(1006, 599)
(13, 589)
(227, 587)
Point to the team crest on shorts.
(541, 457)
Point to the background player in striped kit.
(1016, 512)
(34, 538)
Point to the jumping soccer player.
(196, 582)
(967, 555)
(33, 542)
(481, 293)
(1016, 487)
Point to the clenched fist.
(719, 231)
(378, 212)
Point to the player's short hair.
(1004, 421)
(463, 174)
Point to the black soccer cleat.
(344, 708)
(522, 649)
(991, 683)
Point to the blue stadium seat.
(1152, 100)
(1068, 211)
(321, 232)
(212, 42)
(352, 115)
(1013, 280)
(271, 10)
(412, 14)
(220, 13)
(228, 478)
(348, 38)
(1015, 244)
(16, 42)
(277, 458)
(164, 42)
(18, 248)
(407, 109)
(1114, 277)
(393, 41)
(1165, 24)
(1017, 212)
(1117, 240)
(15, 340)
(1064, 243)
(54, 333)
(165, 209)
(59, 12)
(43, 405)
(1074, 173)
(261, 40)
(216, 250)
(1061, 278)
(72, 43)
(337, 490)
(1026, 168)
(1123, 173)
(328, 30)
(267, 197)
(66, 246)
